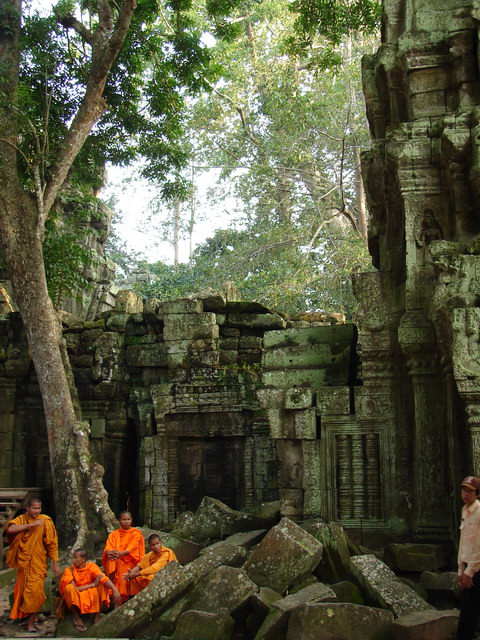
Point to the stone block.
(228, 344)
(429, 103)
(305, 424)
(199, 625)
(256, 320)
(271, 398)
(426, 625)
(226, 588)
(128, 620)
(117, 322)
(227, 357)
(334, 401)
(146, 355)
(286, 554)
(339, 621)
(347, 591)
(164, 625)
(128, 301)
(416, 557)
(311, 336)
(294, 378)
(318, 592)
(335, 563)
(182, 306)
(246, 539)
(214, 520)
(382, 586)
(250, 342)
(444, 582)
(316, 356)
(298, 398)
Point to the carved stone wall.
(208, 396)
(420, 342)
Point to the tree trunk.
(176, 231)
(77, 479)
(360, 196)
(82, 502)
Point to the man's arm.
(16, 528)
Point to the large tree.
(71, 98)
(284, 126)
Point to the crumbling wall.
(207, 396)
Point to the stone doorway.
(211, 467)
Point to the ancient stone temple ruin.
(372, 424)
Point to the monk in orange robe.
(82, 587)
(32, 539)
(142, 574)
(124, 549)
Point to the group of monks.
(84, 586)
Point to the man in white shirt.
(469, 559)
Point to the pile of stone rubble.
(287, 582)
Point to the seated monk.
(83, 588)
(142, 574)
(123, 550)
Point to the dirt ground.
(13, 629)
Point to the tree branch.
(104, 51)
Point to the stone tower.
(419, 317)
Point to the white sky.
(133, 198)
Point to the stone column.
(429, 464)
(466, 371)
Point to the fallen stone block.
(286, 554)
(139, 612)
(274, 626)
(381, 586)
(416, 557)
(164, 624)
(441, 585)
(185, 550)
(128, 301)
(167, 587)
(337, 621)
(314, 593)
(199, 625)
(246, 539)
(335, 563)
(213, 520)
(347, 591)
(226, 588)
(426, 625)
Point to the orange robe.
(149, 565)
(130, 540)
(87, 601)
(28, 552)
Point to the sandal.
(80, 627)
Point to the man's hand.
(38, 523)
(464, 581)
(117, 598)
(56, 569)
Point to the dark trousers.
(469, 610)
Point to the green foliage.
(65, 261)
(284, 125)
(273, 269)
